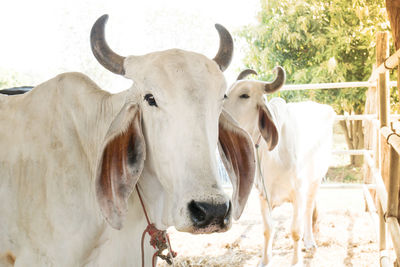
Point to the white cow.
(294, 142)
(71, 155)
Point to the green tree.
(316, 42)
(9, 78)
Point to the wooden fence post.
(370, 129)
(382, 52)
(393, 192)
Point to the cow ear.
(237, 154)
(120, 166)
(267, 126)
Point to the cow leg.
(310, 209)
(299, 204)
(268, 233)
(315, 215)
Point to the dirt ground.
(346, 236)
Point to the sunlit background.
(40, 39)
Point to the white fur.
(51, 140)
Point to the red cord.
(141, 202)
(154, 259)
(142, 247)
(158, 240)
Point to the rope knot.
(159, 240)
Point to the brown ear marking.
(10, 258)
(238, 158)
(236, 153)
(121, 165)
(267, 127)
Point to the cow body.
(74, 157)
(301, 142)
(49, 211)
(290, 170)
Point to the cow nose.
(205, 214)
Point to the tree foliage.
(315, 42)
(319, 42)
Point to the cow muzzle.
(209, 217)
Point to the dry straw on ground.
(346, 237)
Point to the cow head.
(167, 135)
(247, 105)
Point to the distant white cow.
(72, 154)
(294, 143)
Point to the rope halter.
(159, 240)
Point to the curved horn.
(246, 73)
(225, 51)
(103, 53)
(277, 83)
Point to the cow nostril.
(198, 212)
(228, 213)
(205, 214)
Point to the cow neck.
(257, 145)
(159, 240)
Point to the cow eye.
(225, 97)
(244, 96)
(150, 99)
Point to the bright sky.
(42, 38)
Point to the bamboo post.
(370, 129)
(393, 192)
(382, 237)
(382, 51)
(398, 82)
(370, 139)
(394, 187)
(393, 11)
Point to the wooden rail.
(356, 117)
(316, 86)
(388, 64)
(347, 186)
(360, 152)
(392, 138)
